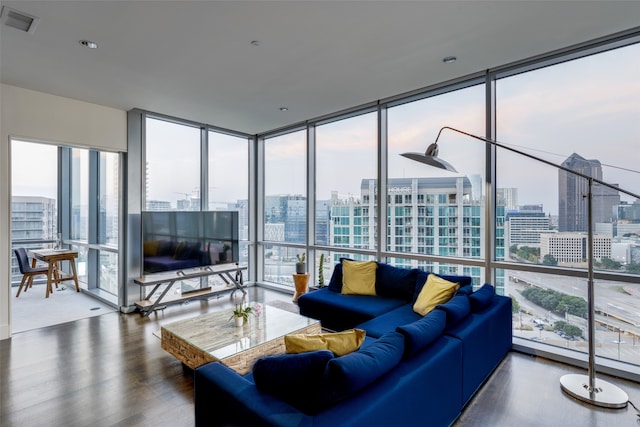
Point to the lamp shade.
(430, 160)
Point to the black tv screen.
(180, 240)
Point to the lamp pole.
(599, 393)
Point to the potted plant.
(301, 266)
(321, 272)
(241, 315)
(222, 256)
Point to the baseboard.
(5, 331)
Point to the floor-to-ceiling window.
(431, 211)
(79, 200)
(108, 220)
(34, 198)
(346, 175)
(172, 174)
(285, 204)
(92, 225)
(582, 114)
(228, 181)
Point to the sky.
(589, 106)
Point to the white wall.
(38, 116)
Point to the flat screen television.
(180, 240)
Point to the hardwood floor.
(109, 370)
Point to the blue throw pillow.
(482, 297)
(353, 372)
(395, 282)
(295, 378)
(457, 308)
(419, 334)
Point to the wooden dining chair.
(27, 271)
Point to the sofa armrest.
(222, 397)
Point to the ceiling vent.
(20, 20)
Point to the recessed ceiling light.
(449, 59)
(89, 44)
(284, 109)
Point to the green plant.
(321, 271)
(241, 312)
(301, 257)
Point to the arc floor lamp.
(583, 387)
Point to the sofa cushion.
(294, 378)
(435, 291)
(395, 282)
(339, 312)
(456, 309)
(340, 343)
(387, 322)
(482, 297)
(349, 374)
(419, 334)
(359, 277)
(465, 282)
(335, 283)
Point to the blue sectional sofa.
(410, 371)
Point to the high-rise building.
(572, 248)
(524, 227)
(431, 216)
(32, 218)
(572, 192)
(507, 197)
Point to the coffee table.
(213, 337)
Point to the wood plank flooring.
(109, 370)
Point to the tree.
(515, 305)
(609, 264)
(549, 259)
(633, 268)
(559, 325)
(572, 331)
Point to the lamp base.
(604, 394)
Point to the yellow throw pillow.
(151, 248)
(359, 277)
(340, 343)
(435, 291)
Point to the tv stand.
(230, 274)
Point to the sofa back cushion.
(311, 382)
(347, 375)
(456, 309)
(335, 283)
(294, 378)
(395, 282)
(482, 297)
(419, 334)
(359, 277)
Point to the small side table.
(301, 282)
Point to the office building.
(572, 195)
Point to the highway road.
(617, 305)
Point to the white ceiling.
(195, 60)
